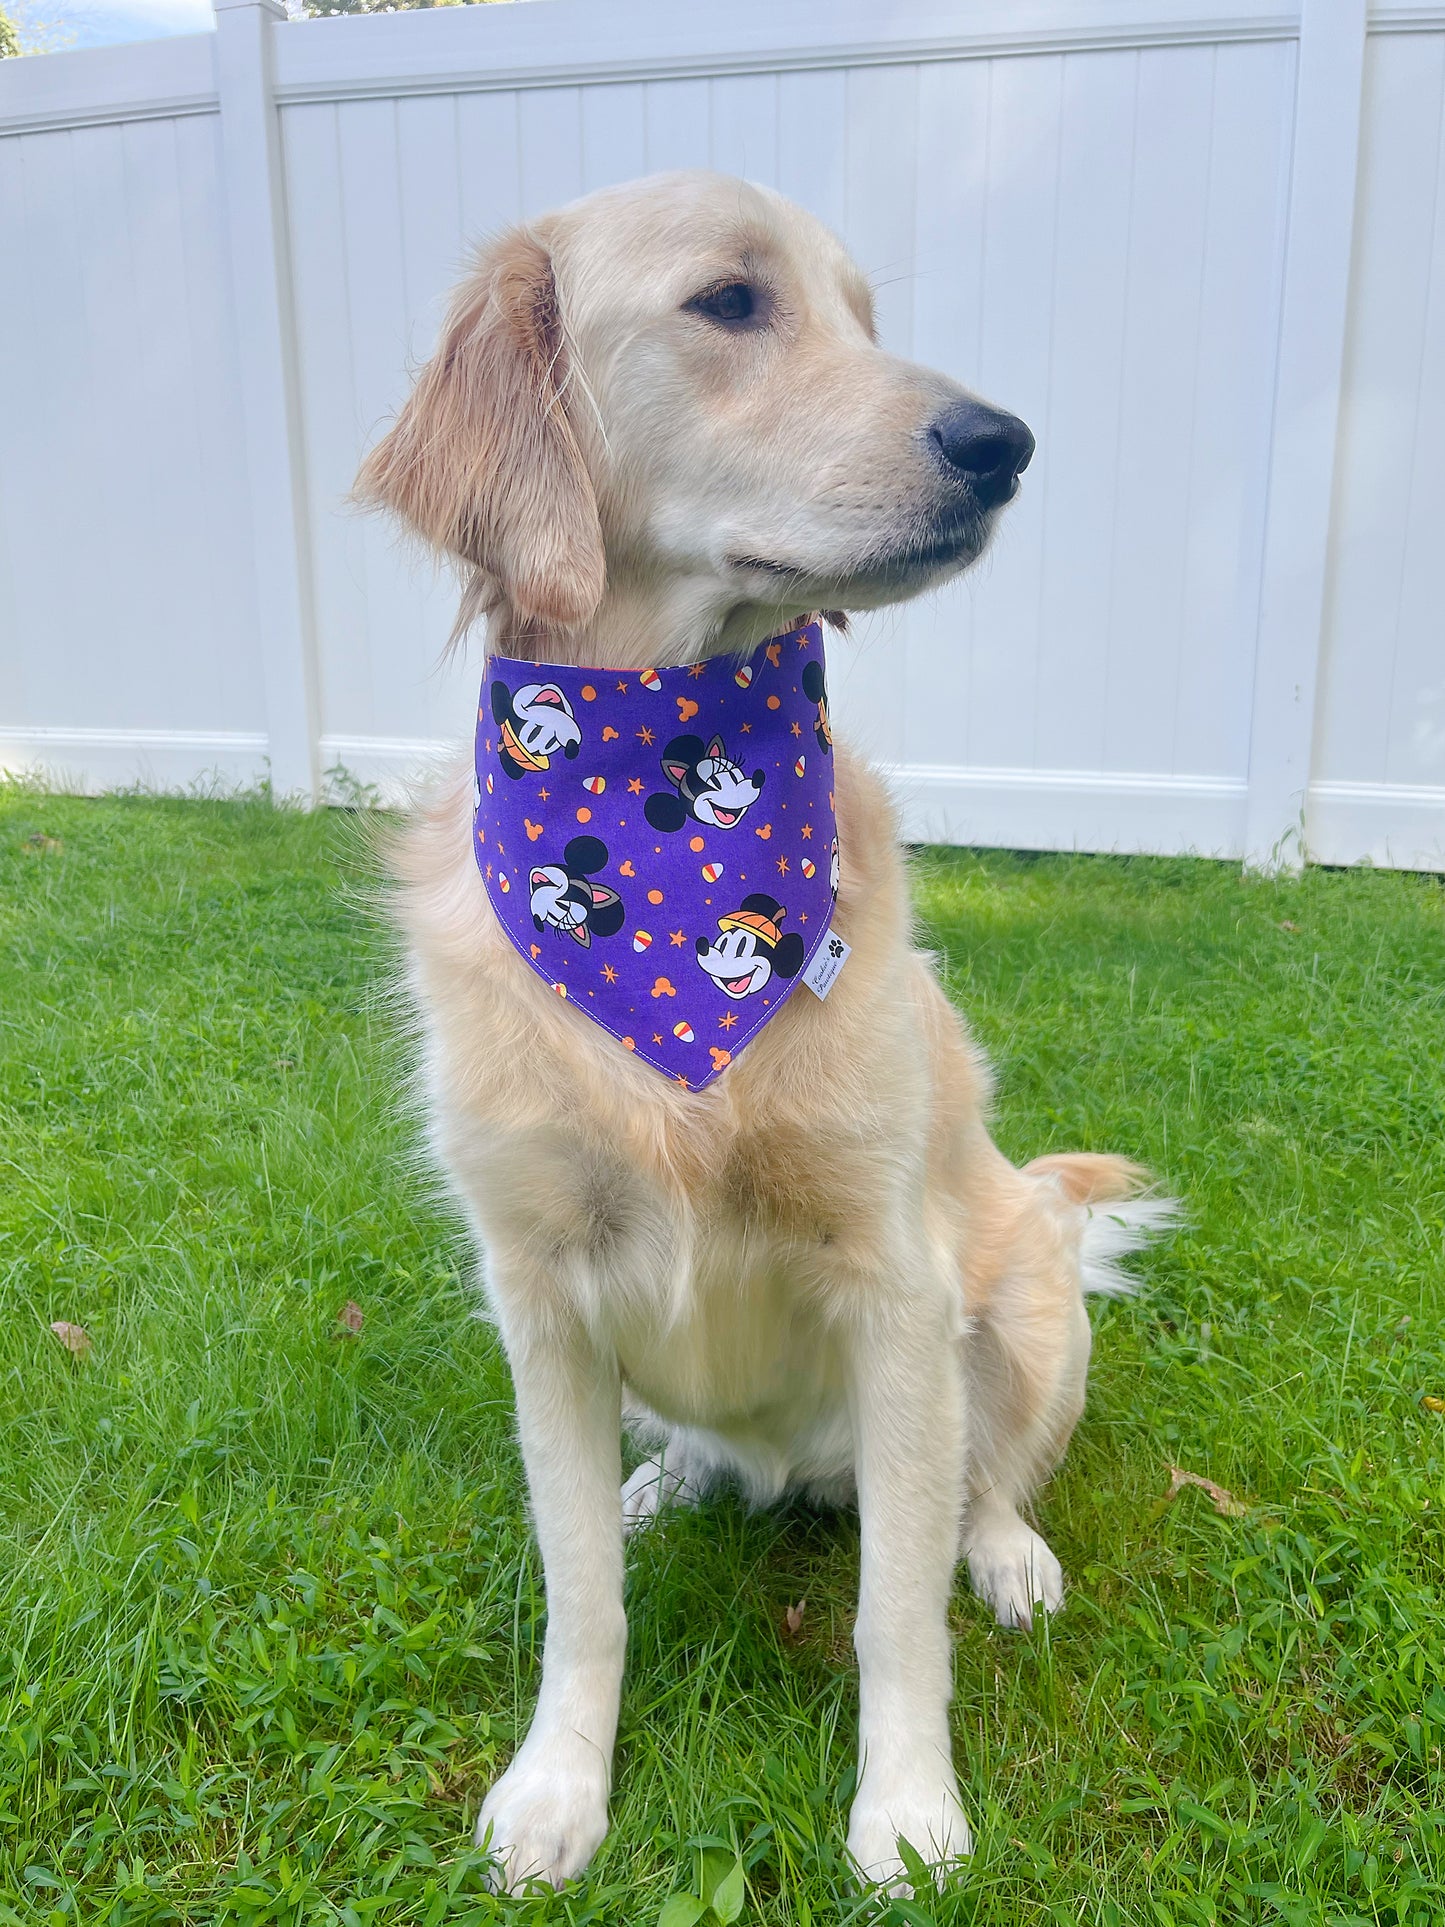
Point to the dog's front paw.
(1012, 1570)
(924, 1811)
(545, 1817)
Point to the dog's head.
(675, 388)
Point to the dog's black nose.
(988, 448)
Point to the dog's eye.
(734, 304)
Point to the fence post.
(1309, 367)
(255, 202)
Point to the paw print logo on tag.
(829, 958)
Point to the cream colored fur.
(819, 1273)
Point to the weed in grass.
(271, 1617)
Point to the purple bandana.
(660, 844)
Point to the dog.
(659, 426)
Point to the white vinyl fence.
(1198, 244)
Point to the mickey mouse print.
(660, 845)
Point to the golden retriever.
(659, 425)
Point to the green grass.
(269, 1615)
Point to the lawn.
(271, 1618)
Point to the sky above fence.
(75, 24)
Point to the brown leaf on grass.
(42, 844)
(350, 1317)
(1225, 1502)
(1433, 1404)
(793, 1620)
(75, 1338)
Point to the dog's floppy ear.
(482, 460)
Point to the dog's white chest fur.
(740, 1363)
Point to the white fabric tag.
(828, 959)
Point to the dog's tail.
(1117, 1219)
